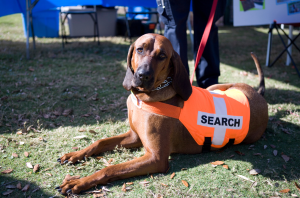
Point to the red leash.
(205, 36)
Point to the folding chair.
(286, 47)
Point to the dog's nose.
(144, 75)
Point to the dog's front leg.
(147, 164)
(127, 140)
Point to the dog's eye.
(162, 56)
(140, 50)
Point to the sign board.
(264, 12)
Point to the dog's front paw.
(74, 186)
(72, 157)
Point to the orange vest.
(221, 115)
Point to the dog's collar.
(164, 84)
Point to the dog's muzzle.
(144, 79)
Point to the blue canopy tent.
(38, 8)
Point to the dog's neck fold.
(157, 95)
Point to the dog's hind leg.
(126, 140)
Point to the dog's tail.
(261, 88)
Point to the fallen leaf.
(46, 115)
(245, 178)
(15, 155)
(80, 137)
(110, 160)
(183, 169)
(275, 152)
(26, 188)
(96, 195)
(106, 163)
(124, 187)
(297, 186)
(19, 186)
(86, 115)
(240, 153)
(26, 154)
(7, 171)
(217, 163)
(99, 157)
(255, 171)
(29, 165)
(31, 69)
(144, 182)
(244, 73)
(7, 192)
(19, 133)
(151, 176)
(253, 184)
(129, 183)
(273, 146)
(36, 168)
(257, 154)
(185, 183)
(67, 112)
(75, 148)
(285, 157)
(82, 130)
(35, 190)
(226, 166)
(92, 131)
(173, 175)
(164, 184)
(265, 146)
(10, 187)
(294, 195)
(285, 190)
(49, 174)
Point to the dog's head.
(151, 59)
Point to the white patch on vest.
(220, 121)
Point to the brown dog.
(151, 60)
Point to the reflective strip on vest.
(220, 121)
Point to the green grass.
(88, 79)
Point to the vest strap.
(157, 107)
(206, 145)
(229, 144)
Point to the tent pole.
(27, 29)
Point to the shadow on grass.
(34, 190)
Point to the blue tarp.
(45, 14)
(8, 7)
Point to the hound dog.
(159, 120)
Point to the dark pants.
(175, 15)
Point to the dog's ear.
(129, 74)
(181, 82)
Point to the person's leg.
(208, 70)
(174, 17)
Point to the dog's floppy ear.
(129, 73)
(181, 82)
